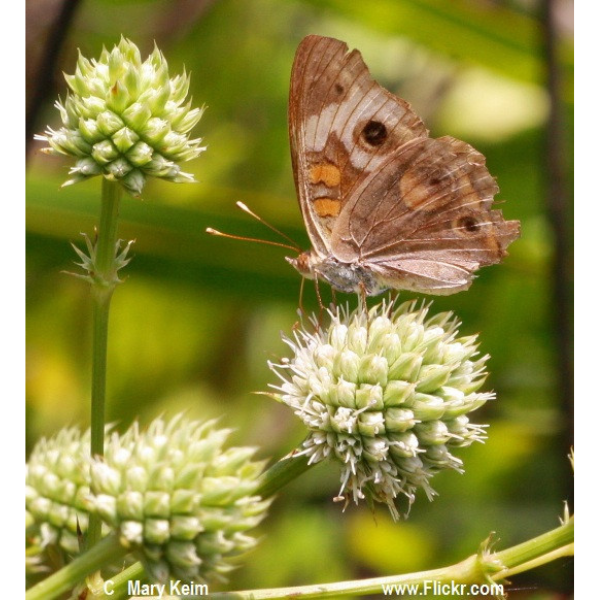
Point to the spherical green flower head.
(126, 119)
(386, 394)
(177, 498)
(57, 486)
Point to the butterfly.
(385, 205)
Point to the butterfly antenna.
(212, 231)
(243, 207)
(362, 295)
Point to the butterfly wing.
(343, 127)
(424, 221)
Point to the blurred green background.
(198, 317)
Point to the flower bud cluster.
(177, 495)
(56, 491)
(174, 495)
(386, 393)
(126, 119)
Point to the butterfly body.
(344, 277)
(385, 206)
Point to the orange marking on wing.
(325, 173)
(327, 207)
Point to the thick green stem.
(101, 310)
(107, 231)
(482, 569)
(107, 551)
(527, 555)
(104, 281)
(281, 473)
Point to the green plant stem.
(106, 551)
(527, 555)
(101, 310)
(281, 473)
(482, 568)
(104, 279)
(107, 231)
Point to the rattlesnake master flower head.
(178, 498)
(56, 492)
(386, 394)
(126, 119)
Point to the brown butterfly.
(385, 205)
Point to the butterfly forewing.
(342, 126)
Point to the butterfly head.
(303, 263)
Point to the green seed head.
(56, 491)
(177, 498)
(126, 119)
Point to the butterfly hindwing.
(424, 221)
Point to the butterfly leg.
(320, 301)
(301, 298)
(333, 297)
(362, 295)
(319, 297)
(393, 297)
